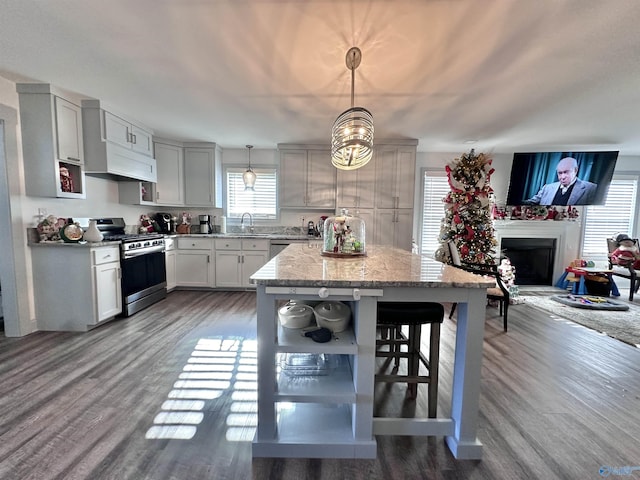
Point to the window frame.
(431, 172)
(258, 169)
(599, 253)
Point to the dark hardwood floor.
(170, 394)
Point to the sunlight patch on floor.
(217, 366)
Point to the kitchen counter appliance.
(144, 278)
(205, 224)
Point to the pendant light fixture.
(249, 177)
(352, 133)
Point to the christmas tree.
(467, 220)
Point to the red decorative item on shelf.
(66, 180)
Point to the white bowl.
(295, 316)
(333, 315)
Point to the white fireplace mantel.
(565, 232)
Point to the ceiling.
(496, 75)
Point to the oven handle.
(145, 252)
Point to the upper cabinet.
(307, 177)
(52, 142)
(169, 189)
(356, 187)
(116, 146)
(203, 174)
(127, 134)
(395, 175)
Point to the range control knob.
(323, 292)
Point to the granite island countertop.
(384, 266)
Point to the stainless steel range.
(144, 278)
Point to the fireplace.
(566, 235)
(533, 259)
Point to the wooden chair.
(499, 293)
(623, 271)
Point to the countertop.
(267, 236)
(303, 265)
(73, 244)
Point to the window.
(262, 203)
(616, 216)
(434, 188)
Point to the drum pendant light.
(249, 177)
(352, 133)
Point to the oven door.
(144, 279)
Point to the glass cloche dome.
(344, 236)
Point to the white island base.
(331, 416)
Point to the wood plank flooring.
(558, 401)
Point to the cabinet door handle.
(208, 260)
(134, 139)
(239, 259)
(74, 159)
(157, 195)
(129, 136)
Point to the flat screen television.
(536, 178)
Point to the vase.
(93, 234)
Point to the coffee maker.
(165, 222)
(205, 224)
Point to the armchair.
(625, 271)
(500, 293)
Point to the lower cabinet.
(170, 256)
(76, 287)
(237, 259)
(106, 279)
(194, 262)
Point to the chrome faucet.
(250, 222)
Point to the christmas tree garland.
(467, 220)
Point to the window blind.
(261, 203)
(604, 221)
(435, 187)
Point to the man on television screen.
(569, 190)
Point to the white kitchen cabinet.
(195, 262)
(136, 193)
(255, 253)
(170, 256)
(127, 134)
(237, 259)
(76, 287)
(395, 176)
(108, 292)
(203, 175)
(394, 227)
(116, 147)
(307, 177)
(169, 188)
(52, 142)
(356, 188)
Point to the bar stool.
(392, 316)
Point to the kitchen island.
(331, 416)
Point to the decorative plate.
(71, 233)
